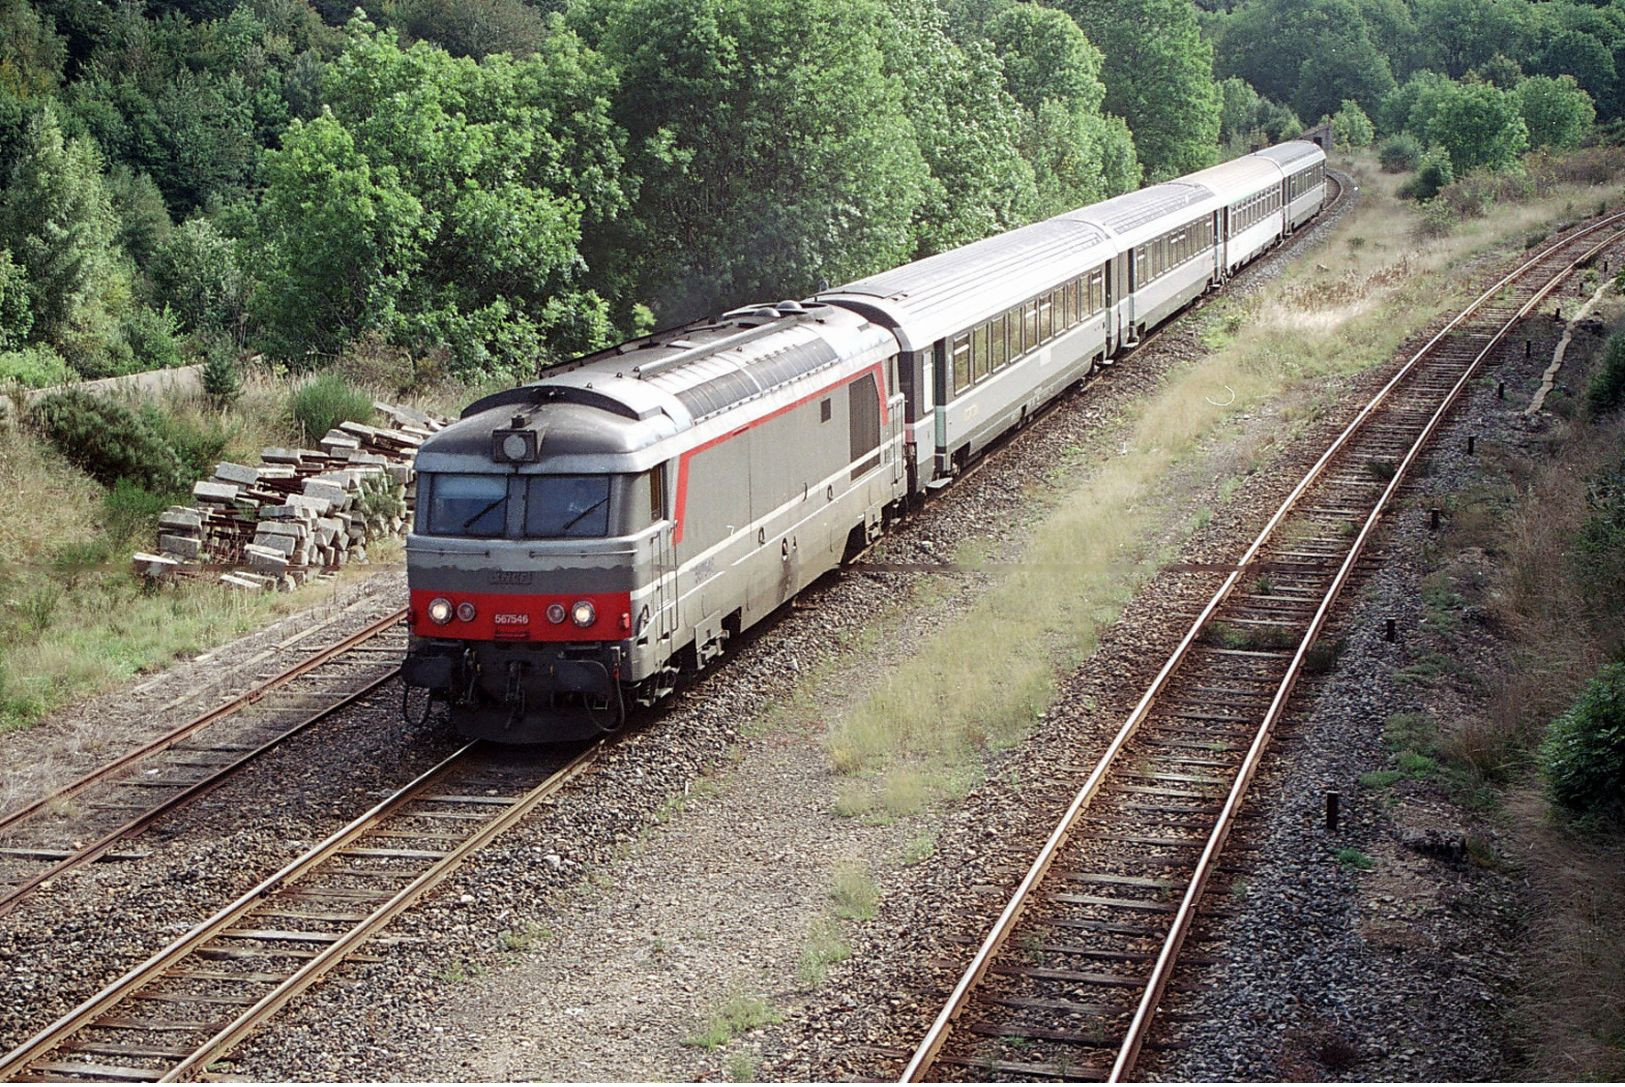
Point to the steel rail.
(204, 720)
(1162, 973)
(233, 1032)
(937, 1035)
(98, 847)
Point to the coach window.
(962, 372)
(467, 505)
(980, 352)
(999, 342)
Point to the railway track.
(188, 1005)
(87, 819)
(1069, 980)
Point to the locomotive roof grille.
(753, 378)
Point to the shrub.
(222, 382)
(151, 336)
(197, 442)
(37, 367)
(1599, 546)
(130, 511)
(1583, 755)
(1400, 154)
(1607, 389)
(1350, 126)
(1433, 173)
(322, 404)
(108, 441)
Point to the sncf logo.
(512, 619)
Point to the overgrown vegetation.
(1583, 754)
(323, 403)
(75, 620)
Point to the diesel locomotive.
(583, 540)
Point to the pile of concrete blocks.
(299, 512)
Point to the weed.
(527, 938)
(918, 849)
(854, 892)
(825, 947)
(741, 1068)
(1322, 657)
(1353, 858)
(740, 1013)
(1382, 779)
(1380, 469)
(324, 403)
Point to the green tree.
(1311, 54)
(1479, 126)
(32, 55)
(57, 220)
(1046, 57)
(1247, 118)
(1557, 112)
(1586, 59)
(1078, 156)
(1158, 73)
(339, 242)
(1459, 35)
(473, 28)
(446, 200)
(16, 308)
(197, 274)
(770, 143)
(1351, 127)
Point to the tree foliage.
(1557, 113)
(770, 143)
(1350, 125)
(1583, 755)
(1158, 72)
(442, 200)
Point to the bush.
(1607, 389)
(1433, 173)
(1583, 755)
(1400, 154)
(1599, 546)
(197, 442)
(130, 512)
(1351, 127)
(37, 367)
(322, 404)
(108, 441)
(151, 336)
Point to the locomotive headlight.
(440, 611)
(555, 613)
(465, 611)
(584, 614)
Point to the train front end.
(535, 564)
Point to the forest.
(489, 186)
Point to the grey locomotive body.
(582, 540)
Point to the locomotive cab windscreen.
(540, 507)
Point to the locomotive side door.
(665, 556)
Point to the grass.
(853, 892)
(75, 621)
(738, 1014)
(528, 937)
(1353, 858)
(740, 1068)
(824, 948)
